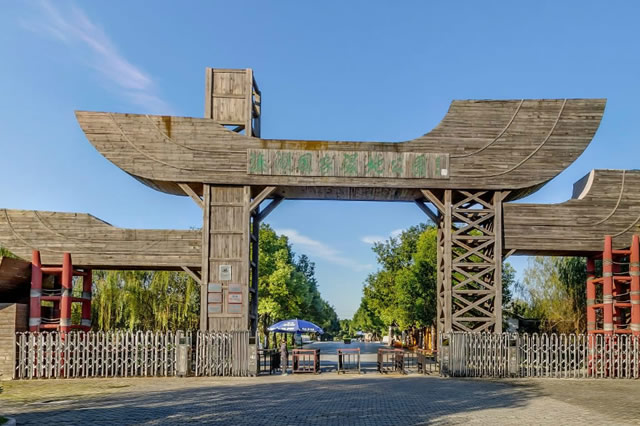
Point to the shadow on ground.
(353, 400)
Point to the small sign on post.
(225, 272)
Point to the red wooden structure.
(613, 299)
(59, 292)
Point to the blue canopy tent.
(295, 326)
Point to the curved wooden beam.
(606, 202)
(496, 145)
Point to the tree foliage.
(142, 300)
(402, 292)
(554, 292)
(6, 253)
(287, 286)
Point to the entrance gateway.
(463, 174)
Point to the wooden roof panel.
(606, 202)
(96, 244)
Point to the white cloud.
(74, 28)
(372, 239)
(396, 233)
(314, 248)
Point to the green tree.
(555, 293)
(142, 300)
(288, 287)
(402, 292)
(6, 253)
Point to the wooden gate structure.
(464, 174)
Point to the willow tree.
(141, 300)
(555, 293)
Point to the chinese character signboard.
(412, 165)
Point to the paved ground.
(368, 399)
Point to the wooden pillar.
(591, 295)
(36, 292)
(87, 282)
(497, 260)
(635, 285)
(254, 263)
(607, 288)
(440, 275)
(446, 261)
(225, 258)
(67, 287)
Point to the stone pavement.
(329, 399)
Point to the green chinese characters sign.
(276, 162)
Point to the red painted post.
(67, 287)
(591, 295)
(635, 285)
(607, 287)
(615, 291)
(87, 282)
(36, 292)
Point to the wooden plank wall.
(225, 242)
(96, 244)
(229, 98)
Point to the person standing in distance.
(284, 356)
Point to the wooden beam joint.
(191, 193)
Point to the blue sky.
(360, 70)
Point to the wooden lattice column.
(469, 288)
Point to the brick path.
(330, 399)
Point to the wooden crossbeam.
(261, 197)
(509, 253)
(474, 277)
(272, 205)
(427, 211)
(473, 304)
(476, 224)
(433, 200)
(475, 197)
(191, 193)
(474, 251)
(193, 274)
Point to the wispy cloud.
(72, 27)
(372, 239)
(314, 248)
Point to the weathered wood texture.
(605, 202)
(469, 260)
(225, 240)
(232, 98)
(14, 317)
(516, 145)
(96, 244)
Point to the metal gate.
(129, 354)
(539, 355)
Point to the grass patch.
(3, 420)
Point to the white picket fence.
(128, 354)
(539, 355)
